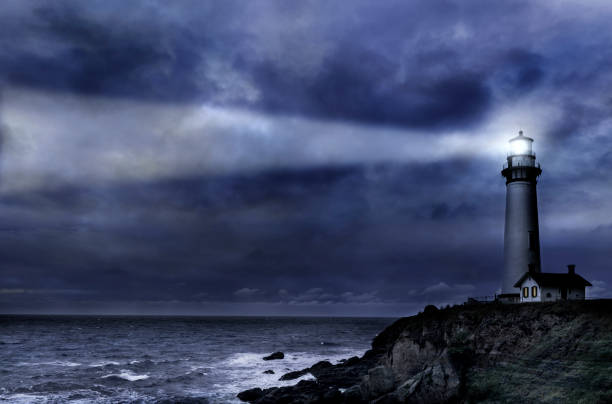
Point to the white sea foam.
(200, 369)
(292, 359)
(127, 375)
(102, 364)
(50, 363)
(246, 370)
(307, 376)
(24, 398)
(246, 359)
(89, 396)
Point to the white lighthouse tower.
(521, 235)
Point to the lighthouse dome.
(520, 145)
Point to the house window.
(532, 241)
(534, 291)
(525, 292)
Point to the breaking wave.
(126, 375)
(50, 363)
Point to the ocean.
(129, 359)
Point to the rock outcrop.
(274, 356)
(541, 352)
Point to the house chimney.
(531, 268)
(571, 269)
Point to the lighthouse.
(521, 233)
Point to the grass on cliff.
(572, 363)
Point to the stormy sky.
(293, 158)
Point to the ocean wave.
(48, 387)
(11, 342)
(307, 376)
(184, 378)
(78, 396)
(103, 364)
(202, 360)
(126, 375)
(327, 343)
(200, 369)
(150, 362)
(292, 359)
(183, 400)
(245, 359)
(24, 398)
(143, 363)
(50, 363)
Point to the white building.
(522, 236)
(549, 287)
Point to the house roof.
(554, 279)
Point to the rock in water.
(293, 375)
(314, 369)
(251, 394)
(320, 366)
(269, 372)
(275, 355)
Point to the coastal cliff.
(540, 352)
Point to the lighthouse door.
(564, 293)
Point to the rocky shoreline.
(544, 352)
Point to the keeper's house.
(549, 287)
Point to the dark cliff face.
(540, 352)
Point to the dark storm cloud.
(407, 64)
(286, 231)
(526, 70)
(245, 238)
(363, 74)
(344, 89)
(105, 59)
